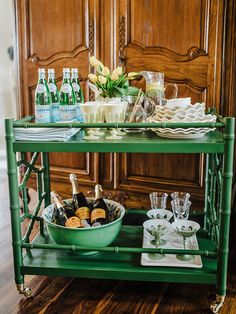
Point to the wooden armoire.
(191, 41)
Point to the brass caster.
(27, 292)
(217, 304)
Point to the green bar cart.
(121, 260)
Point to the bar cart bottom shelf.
(112, 265)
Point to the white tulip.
(105, 71)
(93, 78)
(94, 62)
(118, 71)
(132, 75)
(114, 76)
(102, 79)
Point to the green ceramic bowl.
(100, 236)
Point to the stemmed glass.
(157, 228)
(122, 118)
(180, 207)
(114, 113)
(100, 118)
(186, 229)
(159, 214)
(90, 110)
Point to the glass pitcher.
(155, 87)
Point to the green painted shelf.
(146, 142)
(109, 265)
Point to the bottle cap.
(74, 70)
(53, 193)
(51, 71)
(66, 70)
(73, 177)
(41, 70)
(98, 187)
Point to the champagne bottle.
(64, 215)
(78, 93)
(81, 205)
(100, 211)
(52, 85)
(43, 100)
(67, 98)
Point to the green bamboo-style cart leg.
(225, 215)
(46, 178)
(206, 204)
(15, 209)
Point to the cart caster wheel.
(217, 305)
(27, 292)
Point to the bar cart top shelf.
(148, 141)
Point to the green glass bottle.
(67, 106)
(78, 93)
(43, 100)
(52, 85)
(99, 214)
(62, 214)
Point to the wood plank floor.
(82, 296)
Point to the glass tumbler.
(180, 208)
(158, 200)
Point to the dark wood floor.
(63, 295)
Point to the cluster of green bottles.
(80, 213)
(52, 105)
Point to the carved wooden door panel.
(181, 38)
(55, 35)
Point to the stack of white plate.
(190, 113)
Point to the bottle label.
(40, 89)
(83, 213)
(66, 88)
(43, 113)
(52, 87)
(67, 113)
(55, 112)
(79, 115)
(73, 222)
(97, 214)
(76, 87)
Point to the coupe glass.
(180, 210)
(158, 200)
(114, 113)
(90, 110)
(159, 214)
(157, 228)
(186, 229)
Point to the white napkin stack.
(45, 134)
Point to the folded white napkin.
(45, 134)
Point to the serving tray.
(170, 260)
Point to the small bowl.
(159, 214)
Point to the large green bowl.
(100, 236)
